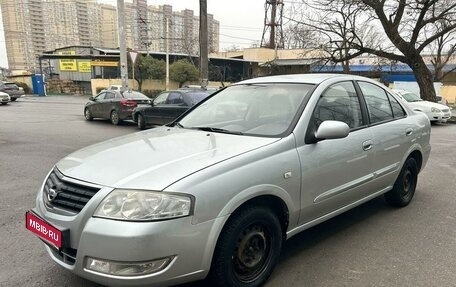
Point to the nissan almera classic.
(217, 192)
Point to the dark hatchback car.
(12, 90)
(114, 105)
(167, 106)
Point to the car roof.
(300, 78)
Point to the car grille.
(66, 195)
(445, 110)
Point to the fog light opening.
(117, 268)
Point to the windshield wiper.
(217, 130)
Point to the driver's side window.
(100, 96)
(161, 99)
(339, 103)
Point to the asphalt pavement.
(371, 245)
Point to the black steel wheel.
(248, 248)
(404, 187)
(141, 122)
(115, 120)
(87, 114)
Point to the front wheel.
(87, 114)
(404, 187)
(13, 99)
(4, 103)
(248, 249)
(115, 120)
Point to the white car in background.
(435, 112)
(4, 98)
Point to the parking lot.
(371, 245)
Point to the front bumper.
(439, 117)
(190, 245)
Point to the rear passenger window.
(339, 103)
(398, 111)
(378, 105)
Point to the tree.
(398, 30)
(442, 50)
(183, 71)
(147, 67)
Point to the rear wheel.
(141, 122)
(88, 114)
(405, 185)
(13, 99)
(115, 120)
(248, 249)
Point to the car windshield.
(411, 97)
(135, 95)
(252, 109)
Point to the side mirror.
(92, 99)
(332, 130)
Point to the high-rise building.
(32, 27)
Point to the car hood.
(426, 106)
(155, 158)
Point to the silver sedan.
(215, 193)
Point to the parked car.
(216, 193)
(12, 90)
(4, 98)
(114, 105)
(435, 112)
(167, 106)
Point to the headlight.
(435, 110)
(138, 205)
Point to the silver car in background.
(216, 193)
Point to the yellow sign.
(68, 65)
(67, 53)
(84, 67)
(104, 63)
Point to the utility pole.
(122, 44)
(167, 53)
(204, 61)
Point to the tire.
(13, 99)
(404, 187)
(87, 114)
(248, 249)
(4, 103)
(115, 120)
(141, 122)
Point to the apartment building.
(32, 27)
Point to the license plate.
(44, 230)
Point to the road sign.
(133, 56)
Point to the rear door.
(336, 172)
(107, 104)
(393, 133)
(95, 107)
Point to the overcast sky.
(241, 21)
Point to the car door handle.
(408, 131)
(368, 145)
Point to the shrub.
(151, 93)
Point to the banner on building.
(84, 67)
(68, 65)
(105, 63)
